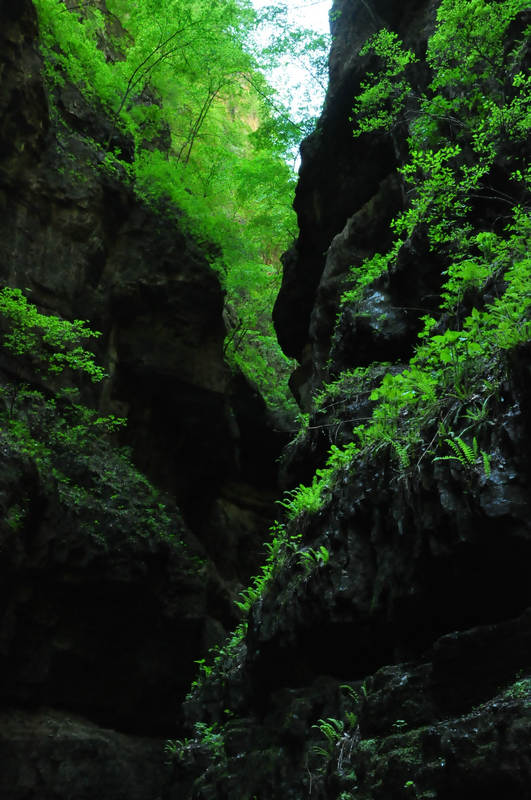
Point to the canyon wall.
(388, 654)
(390, 658)
(107, 600)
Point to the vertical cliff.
(347, 195)
(384, 649)
(387, 651)
(118, 566)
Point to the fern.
(311, 558)
(470, 457)
(463, 452)
(486, 463)
(401, 451)
(332, 729)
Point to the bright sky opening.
(297, 87)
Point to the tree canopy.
(183, 80)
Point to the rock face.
(396, 661)
(389, 656)
(346, 197)
(48, 754)
(416, 632)
(103, 613)
(104, 625)
(85, 247)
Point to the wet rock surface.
(401, 665)
(98, 619)
(346, 195)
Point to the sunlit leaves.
(52, 343)
(469, 42)
(382, 94)
(179, 78)
(468, 130)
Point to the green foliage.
(340, 739)
(208, 737)
(470, 63)
(224, 658)
(469, 44)
(278, 549)
(306, 499)
(252, 344)
(177, 748)
(463, 276)
(95, 481)
(350, 385)
(350, 692)
(183, 81)
(469, 456)
(439, 193)
(520, 689)
(472, 102)
(211, 737)
(333, 731)
(314, 558)
(471, 119)
(364, 275)
(339, 403)
(53, 344)
(255, 590)
(282, 546)
(70, 443)
(15, 516)
(383, 94)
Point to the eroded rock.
(102, 615)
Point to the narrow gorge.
(382, 650)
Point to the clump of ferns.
(468, 456)
(409, 445)
(340, 739)
(310, 559)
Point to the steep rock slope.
(388, 653)
(110, 588)
(81, 242)
(347, 188)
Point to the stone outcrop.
(103, 614)
(47, 754)
(390, 656)
(397, 664)
(346, 196)
(417, 627)
(84, 246)
(98, 617)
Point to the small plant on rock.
(470, 457)
(314, 558)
